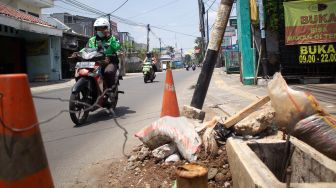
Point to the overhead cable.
(156, 8)
(119, 7)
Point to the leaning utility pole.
(148, 30)
(202, 30)
(211, 55)
(263, 49)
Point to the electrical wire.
(119, 7)
(153, 9)
(211, 5)
(174, 31)
(151, 31)
(85, 7)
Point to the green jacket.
(110, 45)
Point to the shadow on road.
(154, 81)
(123, 110)
(104, 115)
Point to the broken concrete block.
(164, 151)
(256, 122)
(212, 173)
(219, 177)
(173, 158)
(192, 112)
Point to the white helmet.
(101, 22)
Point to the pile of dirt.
(151, 172)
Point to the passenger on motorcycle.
(106, 41)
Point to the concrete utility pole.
(211, 55)
(148, 30)
(202, 29)
(263, 48)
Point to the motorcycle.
(193, 67)
(88, 93)
(148, 72)
(187, 67)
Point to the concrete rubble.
(256, 123)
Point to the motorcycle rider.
(150, 59)
(105, 40)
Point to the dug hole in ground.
(167, 144)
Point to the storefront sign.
(317, 53)
(310, 21)
(233, 23)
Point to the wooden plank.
(246, 111)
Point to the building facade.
(28, 44)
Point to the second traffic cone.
(23, 159)
(169, 102)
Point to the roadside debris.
(164, 151)
(193, 113)
(290, 105)
(246, 112)
(176, 141)
(299, 114)
(191, 176)
(172, 129)
(210, 144)
(319, 131)
(173, 158)
(256, 122)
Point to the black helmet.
(148, 54)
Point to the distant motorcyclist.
(104, 40)
(151, 59)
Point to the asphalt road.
(70, 149)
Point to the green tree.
(274, 13)
(187, 59)
(170, 50)
(141, 53)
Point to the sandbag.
(318, 131)
(290, 105)
(172, 129)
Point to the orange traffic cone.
(23, 161)
(169, 103)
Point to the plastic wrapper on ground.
(290, 105)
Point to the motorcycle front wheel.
(77, 107)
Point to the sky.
(179, 16)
